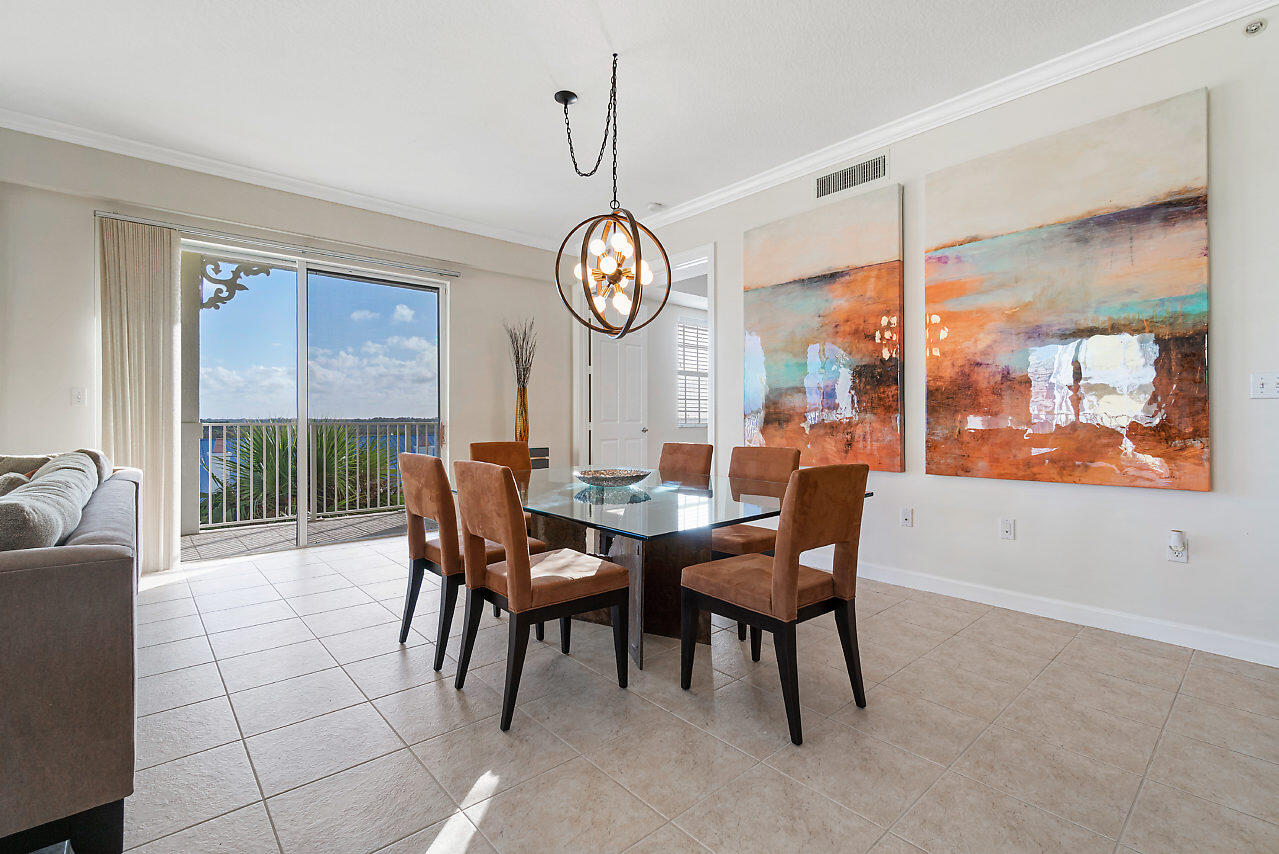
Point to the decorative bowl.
(611, 477)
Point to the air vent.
(852, 176)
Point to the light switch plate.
(1264, 385)
(908, 517)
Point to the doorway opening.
(653, 386)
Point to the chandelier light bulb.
(577, 272)
(622, 302)
(620, 242)
(646, 273)
(596, 247)
(600, 303)
(608, 265)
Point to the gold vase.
(521, 413)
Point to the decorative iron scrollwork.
(229, 285)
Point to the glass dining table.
(654, 528)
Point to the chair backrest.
(822, 507)
(491, 510)
(771, 464)
(513, 455)
(427, 495)
(681, 460)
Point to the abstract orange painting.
(1066, 306)
(823, 308)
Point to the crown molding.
(63, 132)
(1186, 22)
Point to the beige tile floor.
(278, 713)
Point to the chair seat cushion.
(747, 581)
(743, 540)
(562, 576)
(493, 552)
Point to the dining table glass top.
(654, 506)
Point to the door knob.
(643, 429)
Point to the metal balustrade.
(249, 468)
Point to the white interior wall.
(48, 288)
(1086, 553)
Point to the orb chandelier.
(612, 265)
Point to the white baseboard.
(1208, 640)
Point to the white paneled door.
(618, 401)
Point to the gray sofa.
(67, 676)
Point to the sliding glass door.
(373, 391)
(271, 461)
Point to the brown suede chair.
(427, 495)
(532, 588)
(823, 506)
(751, 471)
(515, 456)
(685, 461)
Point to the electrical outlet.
(1178, 547)
(1264, 385)
(908, 517)
(79, 397)
(1007, 529)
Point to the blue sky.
(372, 350)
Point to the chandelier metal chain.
(610, 130)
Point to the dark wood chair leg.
(689, 616)
(741, 631)
(473, 605)
(757, 637)
(846, 622)
(787, 666)
(497, 612)
(410, 599)
(566, 628)
(540, 628)
(516, 648)
(621, 620)
(448, 601)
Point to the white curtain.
(140, 337)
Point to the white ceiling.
(443, 111)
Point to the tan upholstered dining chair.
(753, 471)
(822, 506)
(427, 496)
(531, 587)
(681, 461)
(516, 457)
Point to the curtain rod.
(195, 231)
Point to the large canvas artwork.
(1066, 291)
(823, 308)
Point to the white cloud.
(364, 314)
(414, 342)
(395, 378)
(402, 314)
(256, 391)
(375, 383)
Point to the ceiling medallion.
(611, 264)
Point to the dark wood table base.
(655, 566)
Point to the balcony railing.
(249, 469)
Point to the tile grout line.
(1145, 775)
(961, 754)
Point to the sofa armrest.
(66, 681)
